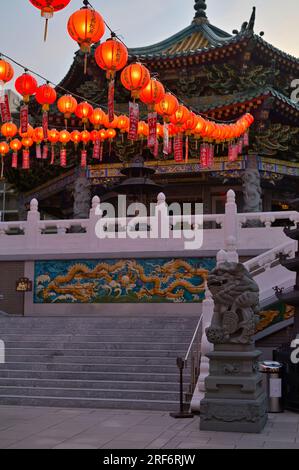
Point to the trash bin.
(272, 379)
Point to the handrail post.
(182, 413)
(231, 227)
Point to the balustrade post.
(162, 228)
(231, 227)
(32, 231)
(206, 347)
(95, 215)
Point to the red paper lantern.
(153, 93)
(26, 85)
(110, 125)
(29, 132)
(53, 136)
(6, 71)
(9, 130)
(111, 56)
(67, 105)
(84, 111)
(123, 124)
(97, 118)
(4, 148)
(64, 137)
(48, 8)
(86, 27)
(111, 134)
(94, 136)
(180, 117)
(135, 77)
(143, 130)
(45, 96)
(15, 145)
(76, 137)
(27, 142)
(85, 137)
(167, 106)
(103, 135)
(38, 135)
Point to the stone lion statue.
(236, 298)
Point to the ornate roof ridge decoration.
(200, 8)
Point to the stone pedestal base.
(233, 415)
(234, 399)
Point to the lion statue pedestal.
(234, 399)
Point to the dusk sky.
(138, 23)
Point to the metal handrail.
(192, 359)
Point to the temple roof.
(198, 35)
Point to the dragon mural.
(122, 281)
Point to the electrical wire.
(80, 97)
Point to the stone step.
(138, 346)
(96, 359)
(94, 352)
(125, 376)
(89, 393)
(43, 366)
(108, 337)
(93, 403)
(91, 384)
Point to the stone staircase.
(113, 362)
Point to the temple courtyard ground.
(57, 428)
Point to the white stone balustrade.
(37, 238)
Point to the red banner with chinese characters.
(233, 152)
(38, 152)
(5, 110)
(63, 158)
(45, 152)
(45, 124)
(178, 148)
(101, 151)
(26, 159)
(96, 150)
(134, 119)
(83, 159)
(14, 161)
(204, 155)
(24, 118)
(170, 146)
(111, 92)
(152, 130)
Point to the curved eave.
(252, 100)
(213, 35)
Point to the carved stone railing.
(159, 233)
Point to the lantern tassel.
(85, 64)
(46, 30)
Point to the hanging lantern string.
(94, 103)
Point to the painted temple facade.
(221, 76)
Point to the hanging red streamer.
(26, 159)
(83, 159)
(178, 148)
(45, 152)
(14, 161)
(111, 93)
(5, 110)
(134, 119)
(63, 158)
(45, 124)
(152, 129)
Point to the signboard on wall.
(24, 285)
